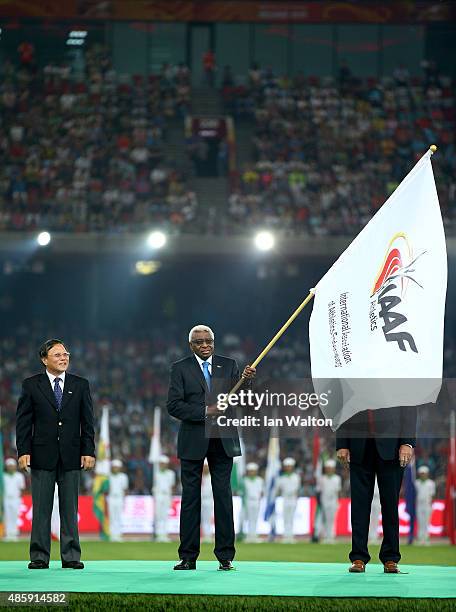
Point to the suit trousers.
(43, 486)
(362, 481)
(220, 466)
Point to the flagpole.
(281, 331)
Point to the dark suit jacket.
(45, 433)
(393, 427)
(187, 400)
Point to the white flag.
(378, 314)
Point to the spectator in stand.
(26, 55)
(209, 67)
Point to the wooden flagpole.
(281, 331)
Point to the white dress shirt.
(201, 361)
(52, 379)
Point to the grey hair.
(198, 328)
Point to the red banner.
(231, 11)
(88, 523)
(138, 516)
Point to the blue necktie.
(58, 393)
(207, 376)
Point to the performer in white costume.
(118, 486)
(425, 491)
(288, 485)
(375, 515)
(330, 487)
(207, 504)
(14, 484)
(253, 486)
(164, 482)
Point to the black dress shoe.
(185, 564)
(38, 564)
(226, 566)
(73, 564)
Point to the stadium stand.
(326, 153)
(84, 152)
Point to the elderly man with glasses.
(194, 384)
(55, 438)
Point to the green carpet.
(250, 578)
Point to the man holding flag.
(100, 485)
(194, 384)
(376, 343)
(372, 457)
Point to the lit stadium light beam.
(156, 240)
(264, 241)
(43, 238)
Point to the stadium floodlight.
(147, 267)
(264, 241)
(43, 238)
(156, 240)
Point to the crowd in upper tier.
(86, 151)
(327, 152)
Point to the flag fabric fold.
(270, 485)
(378, 313)
(155, 446)
(410, 498)
(238, 487)
(102, 472)
(154, 458)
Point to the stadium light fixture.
(147, 267)
(43, 238)
(264, 241)
(156, 240)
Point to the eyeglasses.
(203, 341)
(60, 355)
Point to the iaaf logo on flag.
(390, 287)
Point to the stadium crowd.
(130, 375)
(327, 152)
(85, 151)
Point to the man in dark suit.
(194, 383)
(55, 437)
(376, 443)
